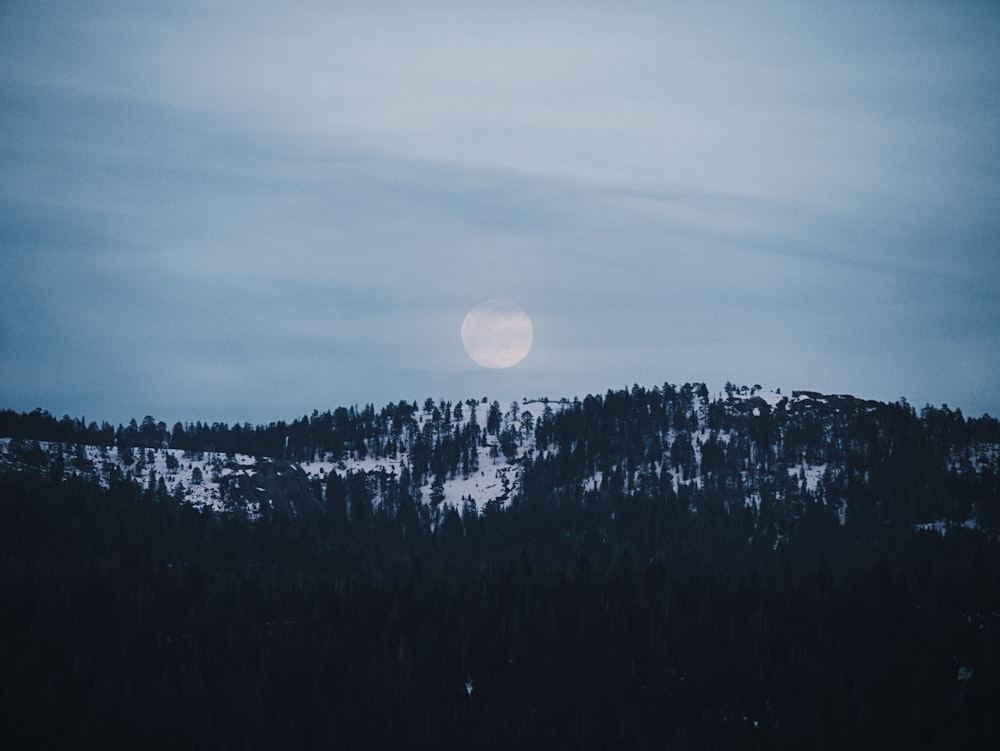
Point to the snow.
(495, 479)
(807, 398)
(977, 458)
(595, 482)
(813, 474)
(489, 483)
(772, 399)
(941, 526)
(103, 460)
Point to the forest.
(669, 571)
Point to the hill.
(748, 455)
(642, 568)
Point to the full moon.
(497, 334)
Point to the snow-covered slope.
(201, 478)
(779, 458)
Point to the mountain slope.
(641, 569)
(766, 460)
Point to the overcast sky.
(245, 211)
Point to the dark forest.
(654, 608)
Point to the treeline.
(619, 420)
(132, 620)
(671, 571)
(763, 468)
(40, 425)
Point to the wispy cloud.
(225, 211)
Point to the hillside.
(746, 454)
(647, 568)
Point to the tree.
(126, 455)
(494, 418)
(437, 490)
(527, 425)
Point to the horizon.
(770, 395)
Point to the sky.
(245, 211)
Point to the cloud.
(237, 213)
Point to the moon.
(497, 334)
